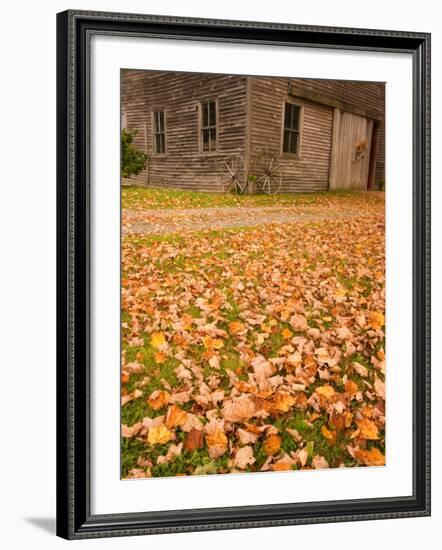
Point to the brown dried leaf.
(194, 440)
(244, 457)
(217, 443)
(158, 399)
(175, 416)
(368, 429)
(373, 457)
(238, 409)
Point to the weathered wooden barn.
(325, 134)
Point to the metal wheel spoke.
(267, 183)
(234, 174)
(268, 176)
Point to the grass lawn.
(140, 198)
(253, 349)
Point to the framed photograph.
(243, 274)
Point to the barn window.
(290, 143)
(159, 132)
(208, 126)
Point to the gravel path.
(160, 222)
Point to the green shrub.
(133, 161)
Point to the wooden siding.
(351, 170)
(380, 162)
(365, 95)
(250, 119)
(308, 171)
(183, 165)
(133, 110)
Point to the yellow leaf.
(368, 429)
(272, 445)
(283, 401)
(236, 327)
(285, 314)
(159, 435)
(348, 419)
(351, 387)
(327, 391)
(328, 434)
(374, 457)
(212, 343)
(175, 417)
(158, 399)
(281, 466)
(376, 320)
(157, 339)
(217, 443)
(218, 343)
(160, 357)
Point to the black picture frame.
(74, 518)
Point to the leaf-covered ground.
(144, 198)
(256, 348)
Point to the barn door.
(351, 151)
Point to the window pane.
(287, 115)
(293, 142)
(159, 131)
(205, 140)
(212, 113)
(286, 143)
(295, 117)
(208, 126)
(213, 139)
(205, 109)
(291, 116)
(290, 142)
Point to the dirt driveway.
(161, 222)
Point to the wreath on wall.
(360, 149)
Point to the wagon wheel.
(268, 173)
(234, 175)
